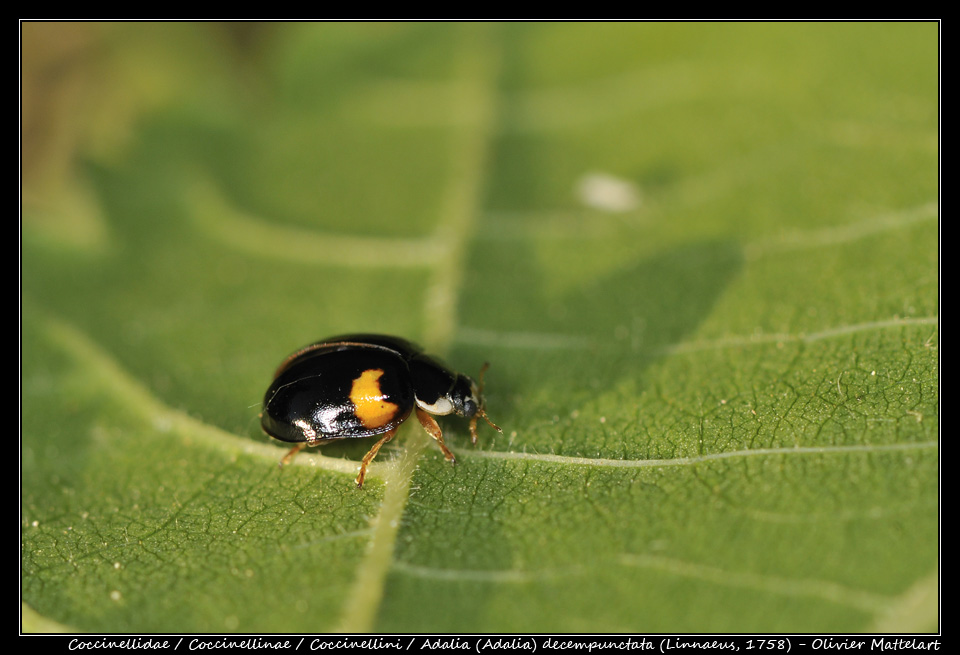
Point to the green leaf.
(702, 260)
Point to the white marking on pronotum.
(442, 407)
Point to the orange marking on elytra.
(372, 407)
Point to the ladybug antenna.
(481, 410)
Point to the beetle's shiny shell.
(315, 394)
(365, 385)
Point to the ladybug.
(365, 385)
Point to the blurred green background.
(701, 258)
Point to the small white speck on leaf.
(607, 193)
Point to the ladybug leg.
(293, 453)
(430, 425)
(311, 440)
(473, 424)
(373, 453)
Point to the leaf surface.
(702, 260)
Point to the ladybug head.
(465, 397)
